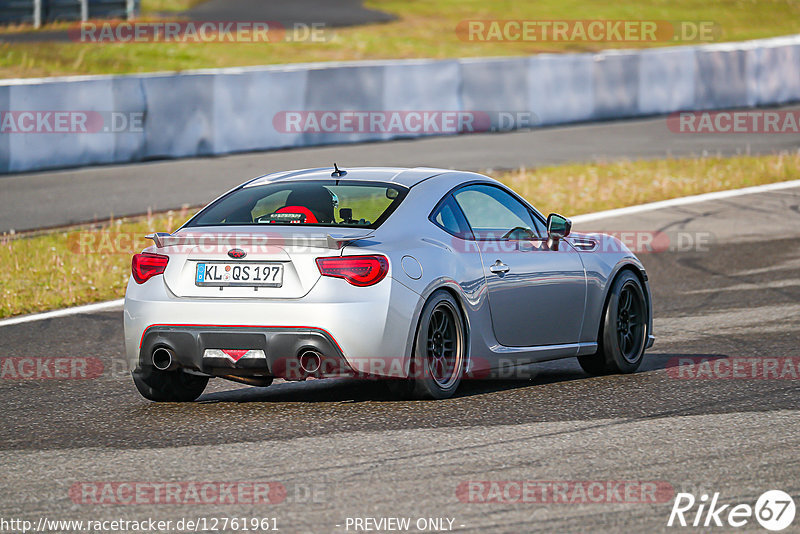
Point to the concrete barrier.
(616, 85)
(180, 115)
(127, 95)
(48, 145)
(344, 88)
(666, 80)
(246, 104)
(5, 140)
(773, 74)
(219, 111)
(495, 86)
(423, 85)
(561, 88)
(721, 80)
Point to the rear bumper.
(369, 329)
(275, 351)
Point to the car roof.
(402, 176)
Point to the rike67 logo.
(774, 510)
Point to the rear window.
(309, 203)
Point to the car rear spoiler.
(331, 241)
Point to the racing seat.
(313, 198)
(300, 210)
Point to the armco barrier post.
(37, 13)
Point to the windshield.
(309, 203)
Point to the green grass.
(150, 7)
(68, 268)
(588, 188)
(425, 28)
(52, 270)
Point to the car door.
(536, 295)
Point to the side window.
(448, 217)
(492, 213)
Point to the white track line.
(683, 201)
(77, 310)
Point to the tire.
(439, 357)
(168, 386)
(623, 333)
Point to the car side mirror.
(558, 227)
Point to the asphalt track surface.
(345, 448)
(95, 193)
(327, 12)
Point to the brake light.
(146, 265)
(359, 271)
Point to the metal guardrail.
(37, 12)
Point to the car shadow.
(355, 390)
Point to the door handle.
(499, 268)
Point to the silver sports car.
(424, 276)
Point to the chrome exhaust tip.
(310, 361)
(164, 359)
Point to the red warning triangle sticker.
(235, 354)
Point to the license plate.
(219, 274)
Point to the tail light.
(359, 271)
(145, 266)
